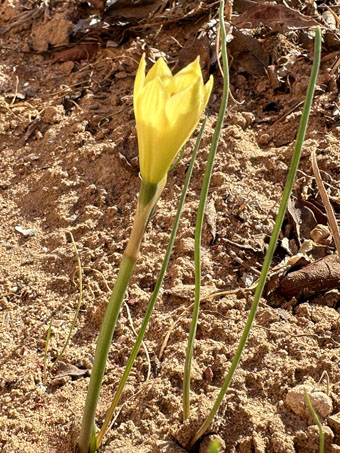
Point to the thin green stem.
(199, 220)
(48, 336)
(80, 299)
(317, 421)
(154, 296)
(148, 197)
(102, 350)
(273, 240)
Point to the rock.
(263, 139)
(335, 448)
(27, 232)
(295, 400)
(249, 117)
(187, 245)
(334, 422)
(55, 32)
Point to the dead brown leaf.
(319, 215)
(134, 10)
(323, 275)
(248, 53)
(99, 4)
(273, 16)
(67, 369)
(192, 48)
(302, 218)
(77, 53)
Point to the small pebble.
(334, 422)
(321, 402)
(263, 139)
(25, 232)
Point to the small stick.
(80, 299)
(325, 199)
(143, 343)
(324, 375)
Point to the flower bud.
(167, 110)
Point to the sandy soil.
(69, 163)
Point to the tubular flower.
(167, 110)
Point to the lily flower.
(167, 109)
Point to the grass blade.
(199, 220)
(48, 336)
(317, 421)
(276, 231)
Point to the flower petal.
(150, 104)
(151, 124)
(186, 77)
(186, 101)
(159, 69)
(139, 80)
(207, 91)
(183, 111)
(192, 67)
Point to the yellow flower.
(167, 110)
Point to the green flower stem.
(199, 220)
(273, 240)
(148, 197)
(154, 296)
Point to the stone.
(295, 400)
(334, 422)
(55, 32)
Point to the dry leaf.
(248, 53)
(302, 218)
(273, 16)
(134, 10)
(77, 53)
(192, 48)
(67, 369)
(319, 215)
(99, 4)
(323, 275)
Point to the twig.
(143, 344)
(325, 374)
(329, 209)
(80, 299)
(169, 332)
